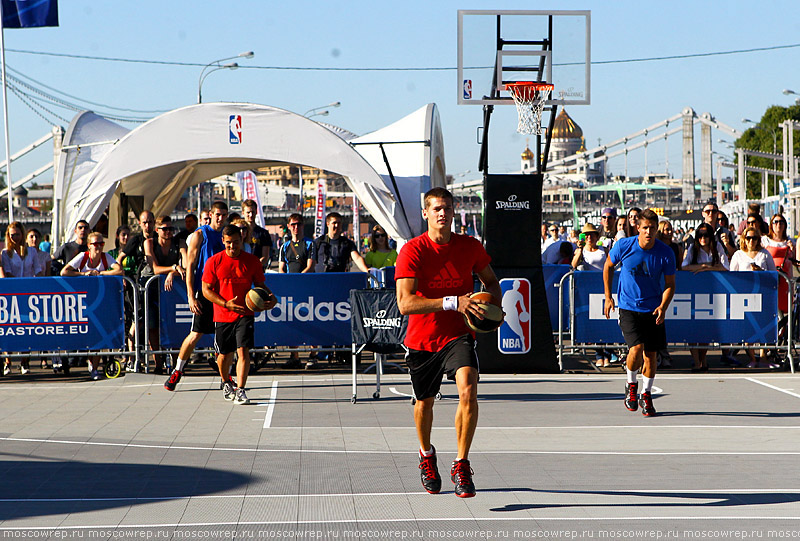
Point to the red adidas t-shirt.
(441, 270)
(232, 277)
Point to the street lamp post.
(301, 203)
(788, 92)
(216, 66)
(231, 66)
(758, 126)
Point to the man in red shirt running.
(227, 277)
(434, 278)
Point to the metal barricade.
(560, 287)
(80, 353)
(574, 347)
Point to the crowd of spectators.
(755, 244)
(156, 247)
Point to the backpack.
(292, 255)
(331, 257)
(85, 260)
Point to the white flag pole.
(5, 118)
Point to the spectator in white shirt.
(93, 262)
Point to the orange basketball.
(259, 299)
(492, 317)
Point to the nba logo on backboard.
(467, 89)
(514, 335)
(235, 129)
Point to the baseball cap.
(609, 211)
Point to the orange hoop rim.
(529, 85)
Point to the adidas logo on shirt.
(446, 278)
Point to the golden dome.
(566, 128)
(527, 154)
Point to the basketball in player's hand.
(492, 316)
(259, 299)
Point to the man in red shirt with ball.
(227, 277)
(434, 275)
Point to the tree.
(766, 136)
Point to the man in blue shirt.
(642, 303)
(204, 243)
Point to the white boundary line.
(390, 452)
(470, 518)
(403, 379)
(774, 388)
(545, 427)
(271, 407)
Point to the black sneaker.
(173, 380)
(429, 473)
(630, 396)
(646, 401)
(461, 475)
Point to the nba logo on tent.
(514, 335)
(235, 129)
(467, 89)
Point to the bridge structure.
(568, 193)
(565, 197)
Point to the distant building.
(568, 140)
(40, 198)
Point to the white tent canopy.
(162, 158)
(87, 140)
(414, 150)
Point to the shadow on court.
(719, 499)
(30, 489)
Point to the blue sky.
(626, 97)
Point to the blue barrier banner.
(552, 274)
(61, 314)
(721, 307)
(313, 309)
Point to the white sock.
(647, 383)
(427, 453)
(180, 363)
(631, 375)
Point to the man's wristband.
(450, 303)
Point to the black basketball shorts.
(427, 368)
(203, 323)
(228, 336)
(640, 328)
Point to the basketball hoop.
(530, 98)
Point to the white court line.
(412, 519)
(774, 388)
(655, 390)
(271, 407)
(514, 378)
(390, 452)
(543, 427)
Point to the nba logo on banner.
(514, 335)
(235, 129)
(467, 89)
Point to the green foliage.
(767, 136)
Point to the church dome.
(527, 154)
(566, 128)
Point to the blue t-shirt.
(212, 244)
(640, 277)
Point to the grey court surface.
(555, 457)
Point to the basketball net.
(530, 99)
